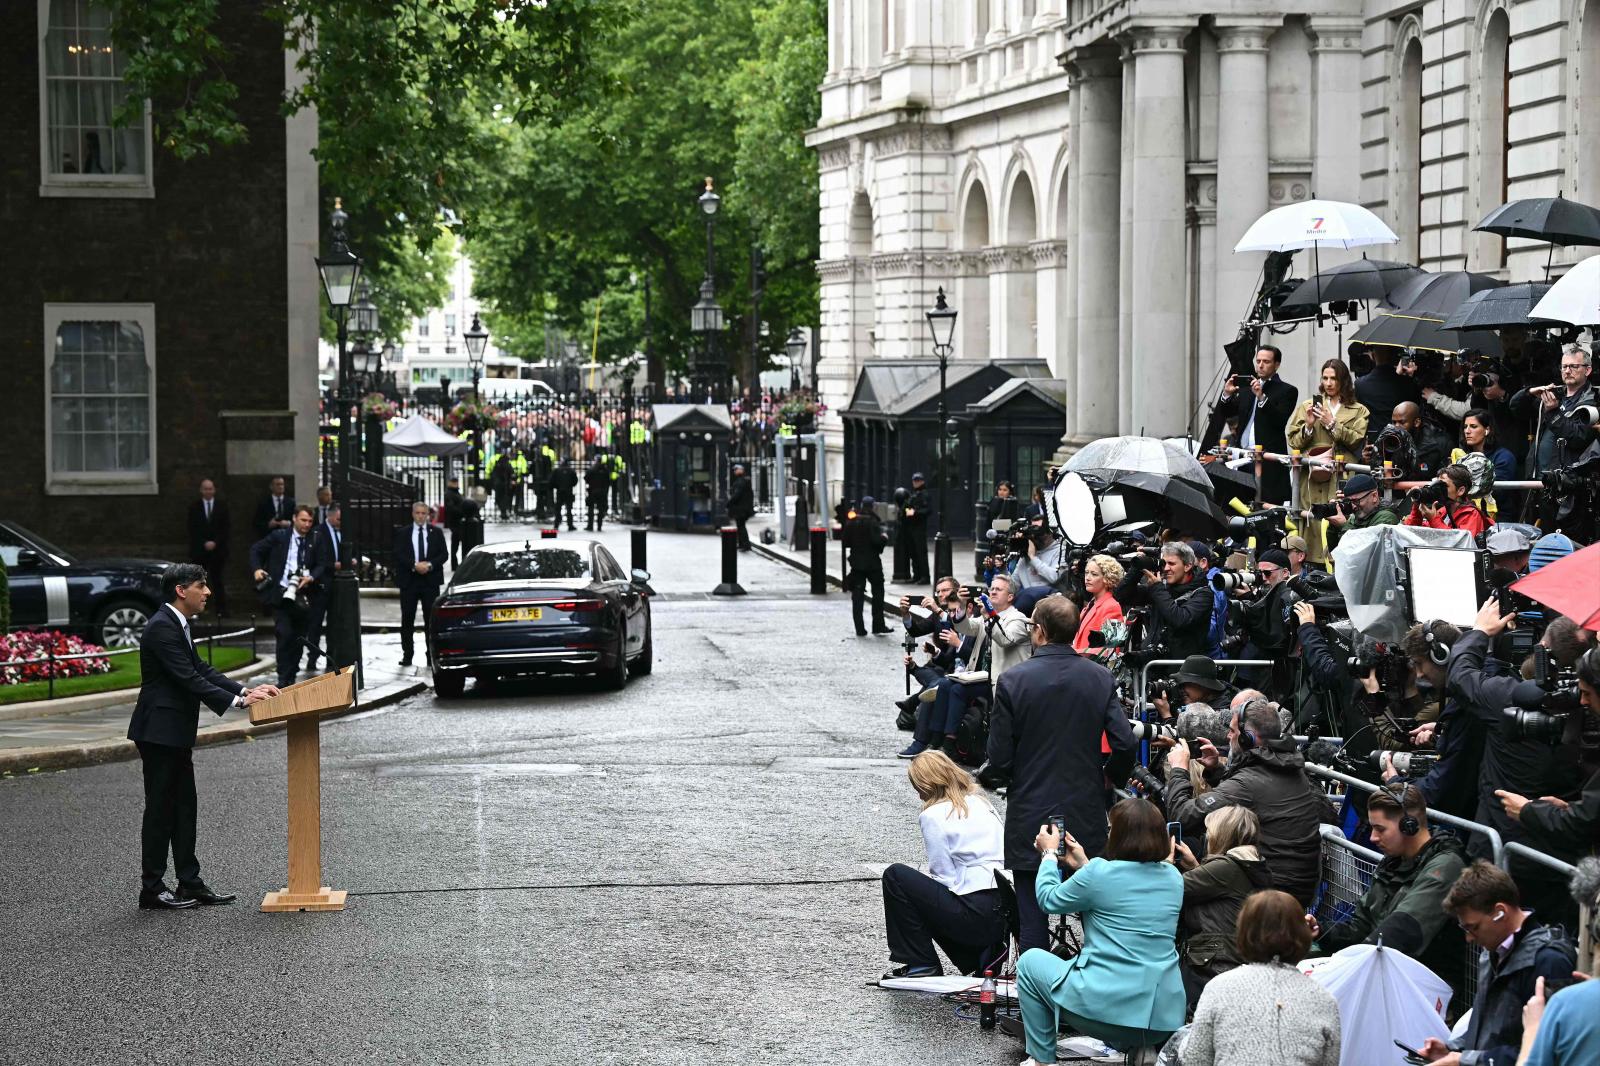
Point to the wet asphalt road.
(539, 872)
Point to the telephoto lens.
(1228, 580)
(1405, 763)
(1151, 730)
(1150, 783)
(1536, 725)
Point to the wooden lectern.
(301, 706)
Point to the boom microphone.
(1586, 882)
(1323, 752)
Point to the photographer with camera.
(1266, 773)
(1359, 506)
(1417, 448)
(1383, 387)
(1040, 552)
(1512, 761)
(936, 709)
(1179, 601)
(1260, 407)
(1331, 423)
(1562, 828)
(1445, 503)
(997, 624)
(1555, 411)
(1404, 906)
(1325, 696)
(1264, 612)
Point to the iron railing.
(51, 658)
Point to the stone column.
(1125, 167)
(1336, 115)
(1242, 170)
(1049, 262)
(1160, 396)
(1098, 176)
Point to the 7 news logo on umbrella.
(1316, 226)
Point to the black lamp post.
(476, 337)
(942, 324)
(705, 318)
(796, 347)
(340, 270)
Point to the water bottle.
(986, 1001)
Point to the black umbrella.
(1170, 484)
(1439, 294)
(1501, 308)
(1365, 279)
(1401, 329)
(1545, 218)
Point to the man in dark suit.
(208, 538)
(329, 555)
(864, 539)
(452, 518)
(1261, 413)
(913, 528)
(1044, 741)
(741, 503)
(286, 573)
(324, 504)
(419, 558)
(276, 509)
(176, 681)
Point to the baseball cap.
(918, 477)
(1506, 542)
(1294, 543)
(1547, 549)
(1201, 549)
(867, 503)
(1359, 484)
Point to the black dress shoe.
(883, 629)
(204, 896)
(164, 900)
(406, 661)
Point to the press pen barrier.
(1144, 686)
(1385, 472)
(50, 657)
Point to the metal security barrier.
(1144, 686)
(1347, 870)
(1497, 847)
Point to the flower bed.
(36, 645)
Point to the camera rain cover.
(1372, 570)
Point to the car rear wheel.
(615, 675)
(449, 686)
(646, 660)
(120, 624)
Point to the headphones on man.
(1438, 650)
(1409, 824)
(1247, 739)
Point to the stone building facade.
(159, 317)
(1075, 173)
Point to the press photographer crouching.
(1177, 603)
(1553, 824)
(1445, 503)
(958, 902)
(1404, 906)
(1266, 773)
(1521, 757)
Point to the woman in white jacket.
(956, 903)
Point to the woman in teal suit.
(1123, 987)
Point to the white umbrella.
(1575, 297)
(1313, 223)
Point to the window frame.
(110, 186)
(95, 483)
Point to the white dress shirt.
(963, 853)
(291, 563)
(183, 620)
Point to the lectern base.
(323, 899)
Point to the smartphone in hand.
(1175, 831)
(1061, 834)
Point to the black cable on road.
(615, 884)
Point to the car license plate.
(516, 614)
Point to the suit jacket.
(741, 499)
(1044, 738)
(271, 553)
(1272, 420)
(265, 513)
(322, 553)
(176, 682)
(405, 557)
(202, 529)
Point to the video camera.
(1394, 444)
(1542, 707)
(1267, 527)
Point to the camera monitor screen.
(1445, 585)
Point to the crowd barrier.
(1387, 476)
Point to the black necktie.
(422, 549)
(299, 552)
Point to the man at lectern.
(176, 682)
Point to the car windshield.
(13, 539)
(534, 565)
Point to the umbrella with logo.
(1506, 307)
(1575, 296)
(1159, 479)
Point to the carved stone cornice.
(1245, 35)
(1331, 33)
(913, 139)
(836, 157)
(1048, 253)
(842, 269)
(1167, 38)
(1085, 64)
(1006, 258)
(894, 264)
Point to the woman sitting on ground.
(1266, 1011)
(957, 903)
(1123, 987)
(1101, 575)
(1213, 892)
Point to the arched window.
(1405, 146)
(1493, 129)
(1021, 287)
(973, 289)
(863, 298)
(1587, 126)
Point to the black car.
(108, 601)
(527, 607)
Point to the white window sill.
(88, 485)
(92, 190)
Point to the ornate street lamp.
(942, 324)
(477, 339)
(705, 317)
(796, 347)
(341, 270)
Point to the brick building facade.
(158, 317)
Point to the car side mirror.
(28, 559)
(640, 577)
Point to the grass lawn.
(124, 673)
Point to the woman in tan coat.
(1330, 423)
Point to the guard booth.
(693, 445)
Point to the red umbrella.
(1570, 586)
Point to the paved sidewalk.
(62, 740)
(961, 557)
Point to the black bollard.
(640, 557)
(819, 560)
(341, 635)
(730, 564)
